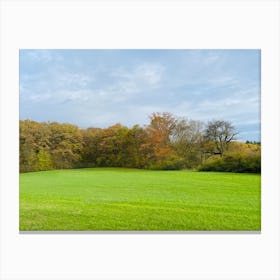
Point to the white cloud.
(144, 74)
(223, 81)
(71, 80)
(39, 97)
(61, 96)
(127, 83)
(149, 73)
(44, 56)
(236, 108)
(64, 86)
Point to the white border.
(145, 24)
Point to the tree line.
(168, 142)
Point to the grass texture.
(116, 199)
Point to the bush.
(44, 161)
(172, 163)
(234, 163)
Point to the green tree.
(187, 140)
(44, 161)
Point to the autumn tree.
(90, 151)
(187, 139)
(34, 144)
(160, 132)
(162, 125)
(167, 142)
(66, 144)
(137, 151)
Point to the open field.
(130, 199)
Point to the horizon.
(100, 88)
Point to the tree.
(187, 139)
(168, 142)
(43, 161)
(160, 131)
(135, 153)
(162, 125)
(90, 150)
(65, 145)
(221, 133)
(33, 138)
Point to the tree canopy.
(167, 142)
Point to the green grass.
(130, 199)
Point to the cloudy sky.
(98, 88)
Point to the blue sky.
(98, 88)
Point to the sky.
(99, 88)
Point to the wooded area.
(167, 142)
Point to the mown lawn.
(130, 199)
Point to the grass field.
(130, 199)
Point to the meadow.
(113, 199)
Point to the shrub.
(248, 163)
(171, 163)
